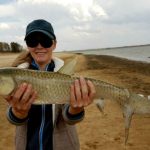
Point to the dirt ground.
(97, 131)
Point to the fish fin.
(100, 103)
(69, 67)
(127, 113)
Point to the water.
(138, 53)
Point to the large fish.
(54, 87)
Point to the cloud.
(80, 24)
(4, 26)
(6, 10)
(127, 11)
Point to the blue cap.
(42, 26)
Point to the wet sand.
(97, 131)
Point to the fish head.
(7, 85)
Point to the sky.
(79, 24)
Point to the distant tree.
(1, 46)
(15, 47)
(4, 47)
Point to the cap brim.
(44, 32)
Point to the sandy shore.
(98, 132)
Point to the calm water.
(139, 53)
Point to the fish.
(54, 88)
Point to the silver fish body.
(54, 87)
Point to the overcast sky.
(79, 24)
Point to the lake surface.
(139, 53)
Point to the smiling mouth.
(40, 53)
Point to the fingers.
(72, 97)
(82, 93)
(78, 94)
(22, 99)
(92, 89)
(17, 95)
(27, 94)
(32, 99)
